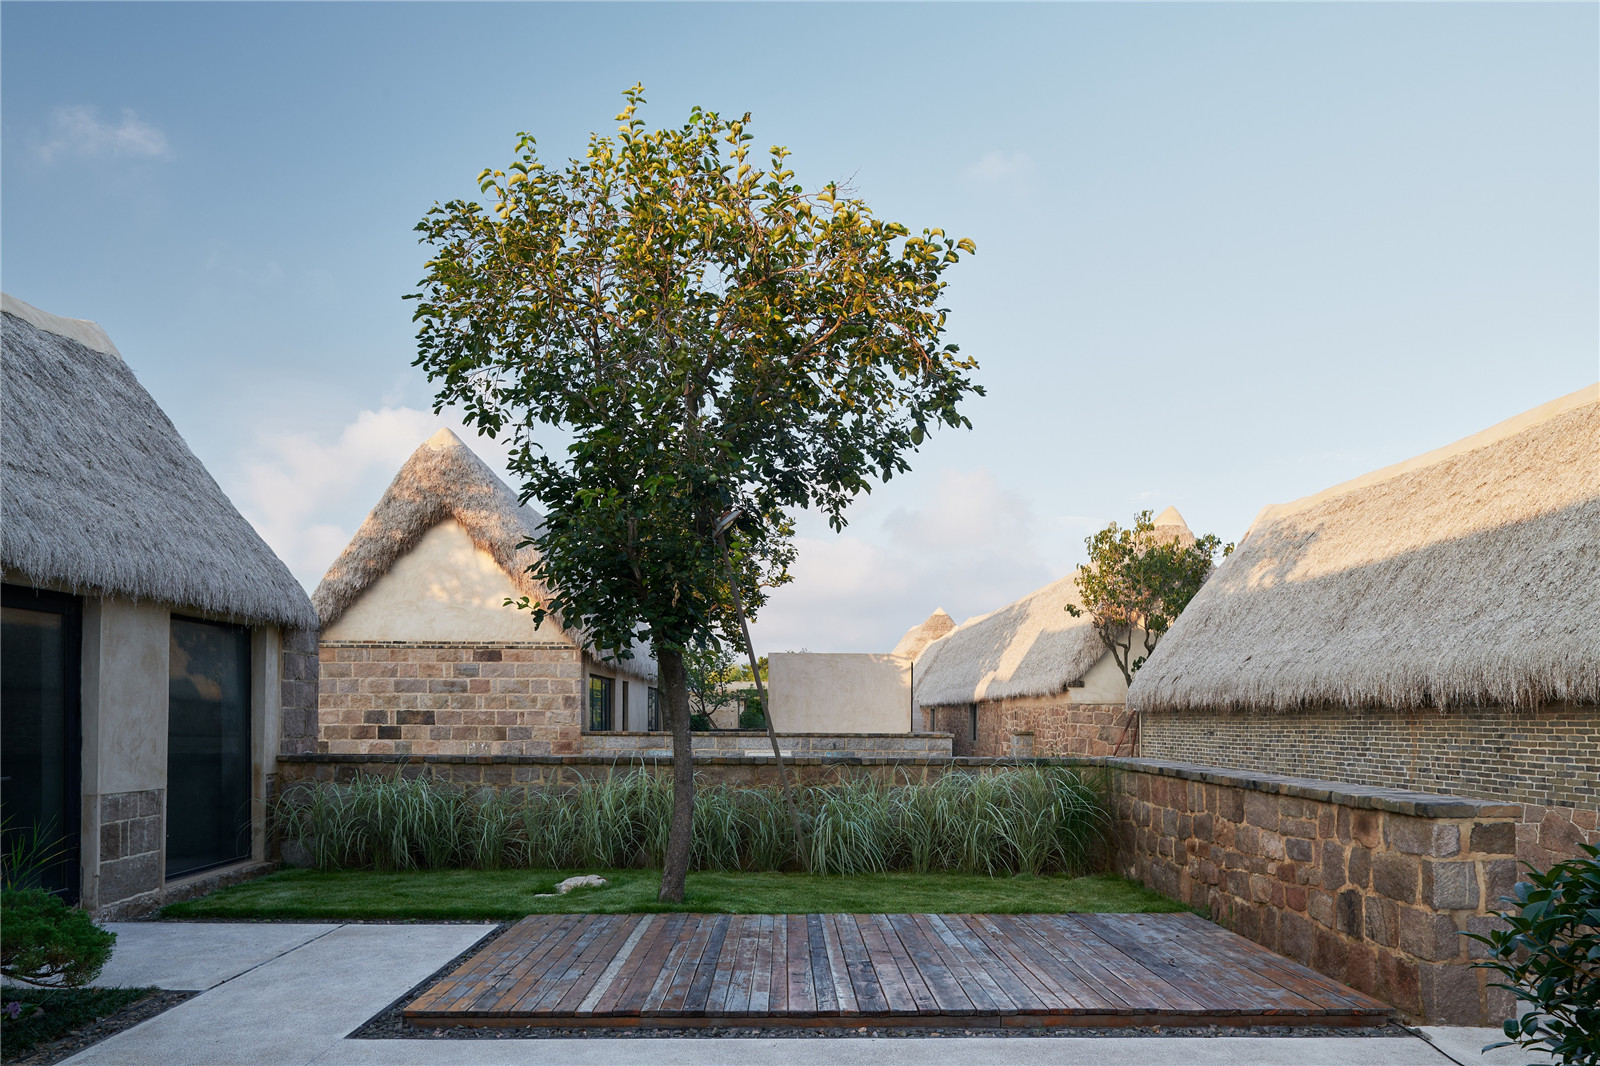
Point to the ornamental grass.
(1024, 820)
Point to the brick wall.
(298, 692)
(1057, 726)
(1370, 886)
(449, 699)
(132, 836)
(1546, 759)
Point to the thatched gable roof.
(101, 494)
(445, 479)
(1469, 575)
(1032, 647)
(924, 633)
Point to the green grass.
(65, 1010)
(509, 894)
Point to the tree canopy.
(1137, 582)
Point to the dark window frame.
(25, 598)
(602, 703)
(652, 703)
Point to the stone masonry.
(1547, 759)
(132, 837)
(1370, 886)
(298, 692)
(1040, 727)
(405, 698)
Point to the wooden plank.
(727, 961)
(821, 972)
(706, 971)
(838, 968)
(498, 996)
(1000, 968)
(896, 993)
(972, 981)
(699, 934)
(742, 973)
(802, 997)
(661, 991)
(561, 992)
(858, 964)
(522, 944)
(980, 965)
(1318, 990)
(947, 991)
(1099, 961)
(778, 992)
(1212, 986)
(916, 985)
(761, 969)
(1045, 992)
(627, 979)
(628, 997)
(1074, 989)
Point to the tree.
(1137, 582)
(708, 670)
(714, 342)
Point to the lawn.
(510, 894)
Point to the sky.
(1228, 255)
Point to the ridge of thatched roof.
(1032, 647)
(100, 492)
(445, 479)
(1464, 576)
(1170, 526)
(924, 633)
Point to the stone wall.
(1038, 727)
(1546, 759)
(449, 699)
(755, 742)
(298, 721)
(1370, 886)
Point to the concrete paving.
(1466, 1046)
(197, 955)
(287, 995)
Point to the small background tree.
(709, 671)
(719, 346)
(1136, 583)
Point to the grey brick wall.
(299, 692)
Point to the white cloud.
(970, 545)
(78, 131)
(307, 494)
(998, 166)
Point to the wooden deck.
(883, 969)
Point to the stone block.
(1451, 995)
(1422, 836)
(1295, 937)
(1498, 838)
(1429, 936)
(1364, 828)
(1333, 875)
(1358, 867)
(1499, 878)
(1298, 848)
(1361, 968)
(1398, 982)
(1261, 810)
(126, 878)
(1319, 905)
(1396, 876)
(1450, 885)
(1348, 913)
(1382, 921)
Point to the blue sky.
(1228, 255)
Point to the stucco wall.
(446, 589)
(125, 648)
(815, 692)
(1103, 682)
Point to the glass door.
(601, 703)
(40, 739)
(208, 746)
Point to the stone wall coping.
(485, 644)
(1395, 800)
(762, 733)
(644, 756)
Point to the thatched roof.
(445, 479)
(1469, 575)
(1032, 647)
(924, 633)
(101, 494)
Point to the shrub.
(701, 723)
(1549, 955)
(752, 717)
(1024, 820)
(46, 940)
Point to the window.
(208, 746)
(39, 733)
(601, 700)
(972, 725)
(652, 704)
(622, 709)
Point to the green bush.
(752, 717)
(46, 940)
(701, 723)
(30, 1017)
(1024, 820)
(1549, 956)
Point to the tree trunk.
(680, 836)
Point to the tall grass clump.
(1034, 820)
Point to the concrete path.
(286, 995)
